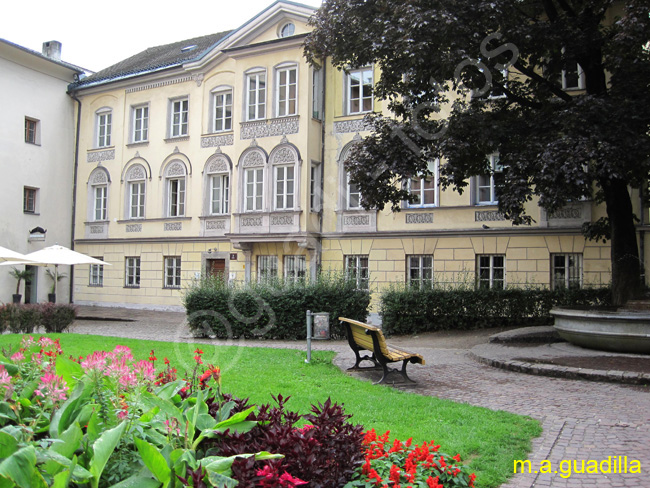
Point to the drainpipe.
(642, 236)
(322, 163)
(74, 187)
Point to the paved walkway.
(582, 420)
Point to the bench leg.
(387, 371)
(403, 371)
(360, 358)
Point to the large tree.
(442, 68)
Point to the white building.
(37, 148)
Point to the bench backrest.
(362, 337)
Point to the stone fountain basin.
(618, 331)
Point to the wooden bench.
(364, 337)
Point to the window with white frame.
(284, 177)
(179, 110)
(29, 199)
(172, 272)
(104, 123)
(267, 268)
(96, 276)
(573, 76)
(353, 195)
(489, 185)
(176, 192)
(286, 91)
(140, 124)
(219, 194)
(491, 271)
(424, 190)
(132, 272)
(359, 91)
(222, 110)
(420, 270)
(295, 268)
(566, 271)
(356, 268)
(253, 189)
(100, 202)
(314, 188)
(256, 95)
(317, 94)
(136, 199)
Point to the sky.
(96, 35)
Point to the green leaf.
(79, 472)
(138, 481)
(20, 466)
(222, 465)
(93, 429)
(166, 407)
(29, 389)
(224, 411)
(154, 460)
(65, 415)
(220, 481)
(235, 419)
(169, 390)
(71, 441)
(8, 445)
(148, 416)
(11, 368)
(102, 450)
(6, 411)
(69, 369)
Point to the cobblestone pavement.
(581, 420)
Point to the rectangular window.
(176, 197)
(219, 194)
(267, 268)
(96, 277)
(136, 200)
(356, 268)
(222, 111)
(491, 271)
(359, 91)
(284, 187)
(30, 131)
(101, 195)
(172, 272)
(256, 96)
(179, 112)
(140, 124)
(254, 187)
(29, 200)
(314, 188)
(287, 79)
(566, 271)
(104, 129)
(489, 185)
(573, 77)
(295, 268)
(420, 271)
(132, 272)
(423, 191)
(353, 196)
(317, 94)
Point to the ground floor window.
(294, 267)
(420, 270)
(97, 273)
(132, 272)
(267, 267)
(172, 272)
(356, 268)
(566, 271)
(491, 271)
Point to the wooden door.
(216, 268)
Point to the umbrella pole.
(56, 280)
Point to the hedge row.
(409, 310)
(24, 319)
(272, 310)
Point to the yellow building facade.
(224, 154)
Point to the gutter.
(74, 186)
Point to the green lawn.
(489, 439)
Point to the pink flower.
(45, 341)
(128, 378)
(95, 361)
(27, 342)
(121, 352)
(117, 367)
(122, 414)
(5, 379)
(289, 481)
(53, 387)
(172, 426)
(17, 357)
(145, 370)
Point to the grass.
(491, 440)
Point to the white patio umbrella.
(13, 256)
(56, 255)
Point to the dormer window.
(287, 29)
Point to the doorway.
(31, 288)
(216, 268)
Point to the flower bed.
(111, 420)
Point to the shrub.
(326, 452)
(272, 310)
(409, 310)
(57, 317)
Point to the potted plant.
(55, 279)
(20, 275)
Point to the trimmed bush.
(409, 310)
(273, 310)
(57, 318)
(26, 318)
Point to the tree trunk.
(626, 269)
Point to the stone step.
(637, 305)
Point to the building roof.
(73, 67)
(156, 58)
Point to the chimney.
(52, 49)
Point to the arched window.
(252, 174)
(174, 192)
(217, 185)
(98, 183)
(350, 196)
(135, 192)
(285, 165)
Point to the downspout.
(642, 236)
(322, 165)
(74, 187)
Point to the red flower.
(152, 357)
(166, 361)
(472, 477)
(394, 475)
(198, 360)
(198, 351)
(457, 458)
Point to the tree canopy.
(560, 89)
